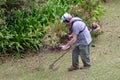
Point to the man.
(80, 38)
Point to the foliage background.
(31, 24)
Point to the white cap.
(66, 17)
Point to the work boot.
(72, 68)
(85, 67)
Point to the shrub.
(54, 34)
(53, 10)
(22, 30)
(90, 10)
(24, 23)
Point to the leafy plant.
(22, 30)
(53, 10)
(89, 10)
(54, 33)
(24, 24)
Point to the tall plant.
(53, 10)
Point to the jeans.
(84, 52)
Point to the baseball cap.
(66, 17)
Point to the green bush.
(22, 30)
(54, 34)
(24, 23)
(53, 10)
(90, 10)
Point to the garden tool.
(51, 66)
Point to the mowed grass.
(105, 57)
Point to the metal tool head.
(51, 66)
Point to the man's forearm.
(71, 42)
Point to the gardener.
(80, 38)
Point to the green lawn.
(105, 57)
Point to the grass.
(105, 57)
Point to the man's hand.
(65, 47)
(70, 36)
(70, 43)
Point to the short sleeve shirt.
(83, 38)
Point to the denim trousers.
(84, 52)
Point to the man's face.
(66, 24)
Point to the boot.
(72, 68)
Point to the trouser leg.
(85, 55)
(75, 56)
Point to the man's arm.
(70, 43)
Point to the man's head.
(66, 18)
